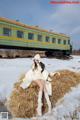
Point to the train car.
(16, 35)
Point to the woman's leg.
(41, 88)
(47, 98)
(40, 83)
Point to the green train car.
(14, 34)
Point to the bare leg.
(40, 83)
(42, 86)
(39, 108)
(47, 98)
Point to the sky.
(59, 18)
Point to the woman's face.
(36, 61)
(35, 64)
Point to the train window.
(68, 41)
(64, 42)
(7, 31)
(47, 39)
(53, 40)
(30, 36)
(20, 34)
(59, 41)
(40, 37)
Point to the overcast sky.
(59, 18)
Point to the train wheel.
(49, 54)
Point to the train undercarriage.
(20, 52)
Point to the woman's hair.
(35, 65)
(41, 65)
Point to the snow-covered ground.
(66, 106)
(12, 69)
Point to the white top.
(33, 75)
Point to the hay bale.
(23, 103)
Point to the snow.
(56, 64)
(65, 106)
(12, 69)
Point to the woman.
(40, 75)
